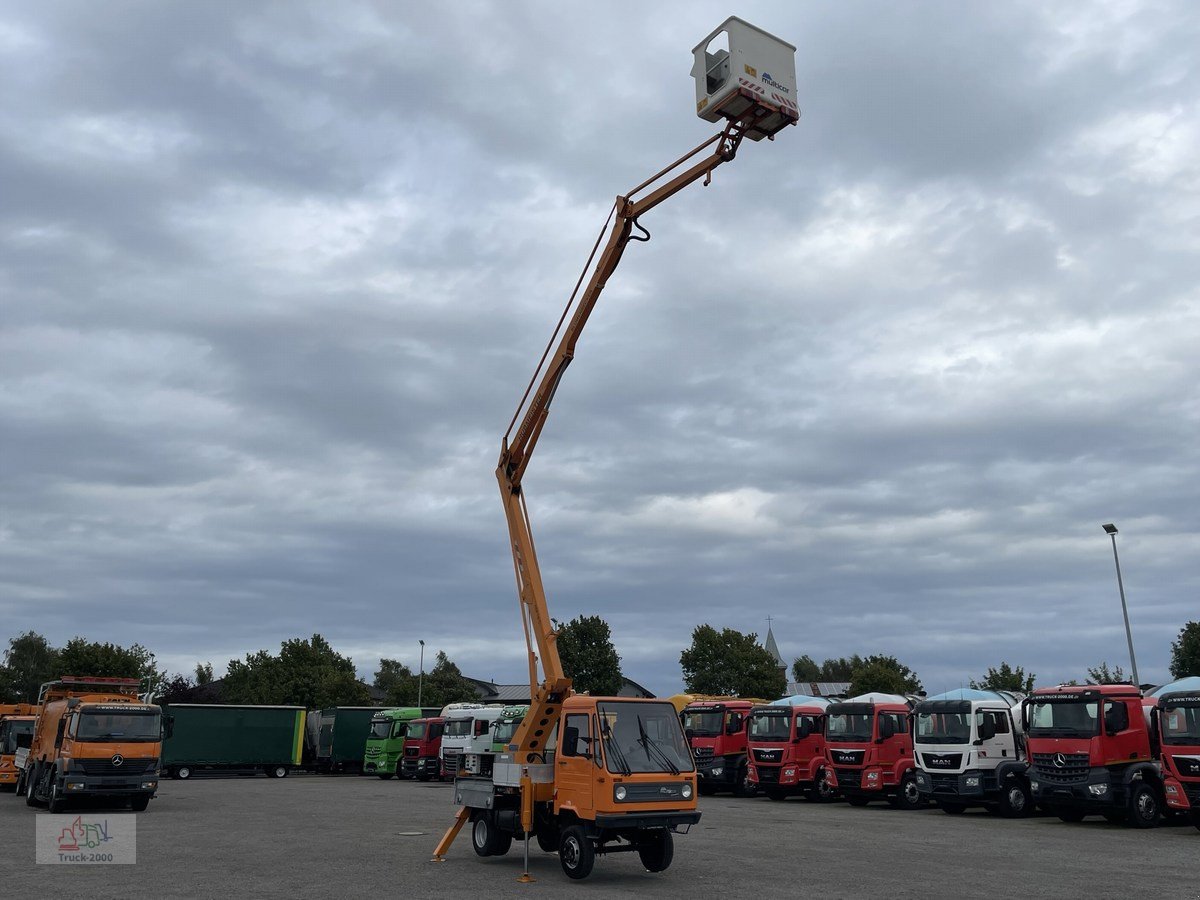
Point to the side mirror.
(1116, 718)
(72, 702)
(887, 728)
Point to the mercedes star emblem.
(117, 759)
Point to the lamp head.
(1110, 528)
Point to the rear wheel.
(656, 850)
(1016, 801)
(484, 835)
(952, 809)
(576, 853)
(1145, 809)
(139, 803)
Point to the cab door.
(576, 765)
(890, 750)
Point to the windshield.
(704, 724)
(1063, 718)
(769, 726)
(10, 732)
(943, 728)
(123, 726)
(416, 731)
(381, 729)
(457, 728)
(643, 737)
(505, 730)
(1181, 725)
(849, 728)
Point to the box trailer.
(233, 738)
(342, 737)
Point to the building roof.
(819, 688)
(773, 648)
(493, 692)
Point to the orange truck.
(16, 724)
(93, 737)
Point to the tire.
(952, 809)
(857, 801)
(33, 782)
(139, 803)
(277, 771)
(576, 853)
(909, 797)
(183, 773)
(1070, 815)
(823, 792)
(19, 790)
(384, 776)
(1016, 802)
(58, 803)
(504, 841)
(1145, 807)
(773, 793)
(744, 787)
(656, 849)
(485, 836)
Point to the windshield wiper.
(648, 744)
(614, 752)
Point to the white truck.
(970, 751)
(468, 729)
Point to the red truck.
(423, 749)
(787, 750)
(1090, 753)
(716, 732)
(1176, 713)
(869, 750)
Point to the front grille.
(768, 756)
(1192, 791)
(1061, 768)
(944, 784)
(128, 767)
(942, 760)
(699, 753)
(653, 792)
(768, 774)
(412, 751)
(848, 757)
(848, 778)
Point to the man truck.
(233, 739)
(423, 749)
(716, 732)
(622, 778)
(92, 738)
(16, 729)
(1090, 753)
(384, 749)
(970, 751)
(869, 750)
(786, 744)
(1177, 715)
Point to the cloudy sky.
(273, 278)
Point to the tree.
(1102, 675)
(398, 683)
(446, 684)
(728, 662)
(805, 668)
(308, 673)
(175, 685)
(588, 656)
(204, 673)
(1185, 652)
(1005, 678)
(29, 662)
(885, 674)
(106, 660)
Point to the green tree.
(728, 662)
(840, 669)
(29, 662)
(204, 673)
(308, 673)
(805, 668)
(1185, 652)
(885, 674)
(588, 656)
(1101, 674)
(444, 683)
(398, 683)
(1005, 678)
(107, 660)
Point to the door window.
(581, 722)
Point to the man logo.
(118, 760)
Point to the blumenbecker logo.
(767, 79)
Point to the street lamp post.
(421, 677)
(1111, 530)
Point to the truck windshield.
(1063, 718)
(457, 728)
(704, 723)
(849, 728)
(1181, 725)
(381, 729)
(769, 726)
(9, 732)
(643, 737)
(416, 731)
(505, 730)
(123, 726)
(943, 728)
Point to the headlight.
(971, 781)
(719, 770)
(1098, 790)
(687, 790)
(1171, 789)
(1035, 785)
(789, 772)
(872, 776)
(620, 792)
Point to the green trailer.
(341, 737)
(232, 739)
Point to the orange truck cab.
(869, 748)
(93, 737)
(786, 742)
(16, 729)
(621, 779)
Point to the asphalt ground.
(351, 837)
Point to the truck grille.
(412, 751)
(941, 760)
(1061, 768)
(130, 767)
(768, 756)
(1192, 790)
(848, 778)
(768, 774)
(700, 753)
(944, 784)
(848, 757)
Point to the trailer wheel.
(139, 803)
(656, 849)
(1145, 809)
(485, 836)
(277, 771)
(576, 853)
(1016, 802)
(183, 773)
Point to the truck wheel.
(139, 803)
(503, 844)
(277, 771)
(33, 783)
(576, 853)
(1145, 809)
(821, 792)
(656, 850)
(485, 836)
(58, 803)
(183, 773)
(384, 776)
(952, 809)
(1016, 802)
(910, 796)
(1070, 815)
(744, 787)
(19, 790)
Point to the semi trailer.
(233, 739)
(786, 745)
(340, 737)
(1176, 714)
(869, 750)
(970, 751)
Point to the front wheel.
(1196, 819)
(821, 791)
(58, 803)
(774, 793)
(576, 853)
(910, 796)
(32, 783)
(1144, 807)
(656, 850)
(1016, 802)
(744, 787)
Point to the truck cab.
(786, 745)
(716, 732)
(1090, 754)
(423, 749)
(468, 729)
(1176, 716)
(16, 729)
(384, 750)
(506, 727)
(970, 751)
(93, 737)
(869, 750)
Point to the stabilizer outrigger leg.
(439, 854)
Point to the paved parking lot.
(345, 837)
